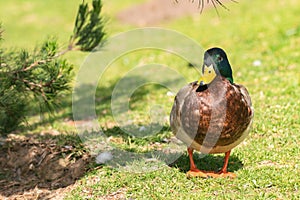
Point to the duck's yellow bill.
(208, 74)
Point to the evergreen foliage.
(42, 76)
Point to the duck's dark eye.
(219, 58)
(209, 71)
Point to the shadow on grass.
(116, 131)
(101, 96)
(180, 160)
(208, 162)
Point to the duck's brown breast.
(215, 117)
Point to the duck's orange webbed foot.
(221, 174)
(198, 173)
(227, 174)
(209, 174)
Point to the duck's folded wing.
(185, 115)
(246, 98)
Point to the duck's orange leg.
(192, 163)
(223, 172)
(224, 168)
(194, 171)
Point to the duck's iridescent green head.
(217, 58)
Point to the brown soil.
(32, 168)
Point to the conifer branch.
(39, 77)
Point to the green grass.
(267, 163)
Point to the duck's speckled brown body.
(213, 120)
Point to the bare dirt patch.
(32, 168)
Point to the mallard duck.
(212, 117)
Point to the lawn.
(262, 41)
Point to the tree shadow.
(129, 90)
(101, 96)
(88, 95)
(207, 162)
